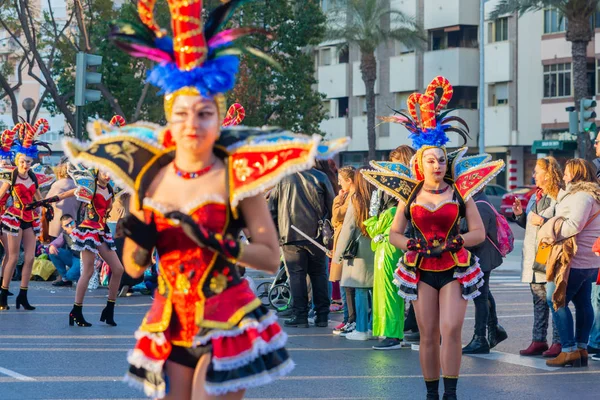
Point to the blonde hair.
(402, 154)
(347, 172)
(581, 170)
(554, 174)
(61, 171)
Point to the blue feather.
(431, 137)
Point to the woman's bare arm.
(476, 233)
(4, 188)
(263, 252)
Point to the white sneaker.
(349, 328)
(356, 335)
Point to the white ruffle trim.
(259, 348)
(137, 358)
(158, 338)
(263, 378)
(158, 393)
(84, 248)
(399, 281)
(269, 319)
(401, 266)
(475, 293)
(407, 297)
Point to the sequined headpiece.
(200, 58)
(7, 141)
(28, 143)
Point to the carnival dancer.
(6, 164)
(22, 225)
(435, 193)
(194, 188)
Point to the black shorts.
(437, 280)
(188, 356)
(25, 225)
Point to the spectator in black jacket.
(489, 259)
(303, 200)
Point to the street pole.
(481, 78)
(78, 122)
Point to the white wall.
(442, 13)
(358, 86)
(403, 73)
(460, 66)
(332, 80)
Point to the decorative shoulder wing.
(84, 180)
(473, 173)
(391, 166)
(6, 174)
(44, 174)
(259, 158)
(394, 183)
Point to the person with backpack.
(490, 257)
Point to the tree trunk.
(140, 103)
(368, 69)
(14, 106)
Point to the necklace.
(436, 191)
(192, 175)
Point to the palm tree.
(578, 14)
(364, 24)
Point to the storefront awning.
(544, 146)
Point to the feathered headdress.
(118, 121)
(235, 115)
(7, 140)
(28, 143)
(199, 57)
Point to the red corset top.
(436, 224)
(23, 194)
(184, 267)
(96, 211)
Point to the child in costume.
(435, 193)
(20, 223)
(194, 187)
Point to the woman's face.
(540, 177)
(434, 165)
(344, 183)
(568, 177)
(24, 164)
(194, 123)
(103, 178)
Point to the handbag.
(325, 231)
(544, 249)
(351, 250)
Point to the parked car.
(495, 193)
(523, 193)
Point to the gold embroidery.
(242, 170)
(266, 164)
(124, 152)
(182, 284)
(161, 285)
(218, 283)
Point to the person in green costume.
(388, 306)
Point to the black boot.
(496, 335)
(76, 316)
(4, 299)
(296, 322)
(450, 383)
(478, 345)
(22, 300)
(2, 280)
(433, 389)
(108, 314)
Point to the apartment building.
(527, 74)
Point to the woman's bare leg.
(180, 381)
(29, 256)
(452, 315)
(14, 246)
(87, 270)
(4, 240)
(198, 389)
(428, 318)
(116, 270)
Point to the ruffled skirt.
(249, 355)
(90, 239)
(470, 277)
(12, 225)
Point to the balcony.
(408, 7)
(498, 126)
(332, 80)
(359, 140)
(403, 73)
(459, 65)
(334, 128)
(358, 86)
(499, 62)
(442, 13)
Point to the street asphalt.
(41, 357)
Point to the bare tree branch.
(140, 103)
(39, 105)
(114, 103)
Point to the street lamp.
(28, 105)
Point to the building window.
(553, 21)
(452, 37)
(557, 80)
(463, 97)
(344, 54)
(325, 56)
(362, 105)
(498, 95)
(498, 30)
(401, 98)
(342, 110)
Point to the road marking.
(516, 360)
(507, 316)
(16, 375)
(66, 336)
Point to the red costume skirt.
(250, 354)
(11, 225)
(466, 271)
(90, 239)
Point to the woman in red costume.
(195, 187)
(19, 222)
(435, 193)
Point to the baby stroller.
(276, 293)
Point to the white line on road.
(66, 336)
(15, 375)
(508, 316)
(516, 360)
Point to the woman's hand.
(536, 220)
(517, 207)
